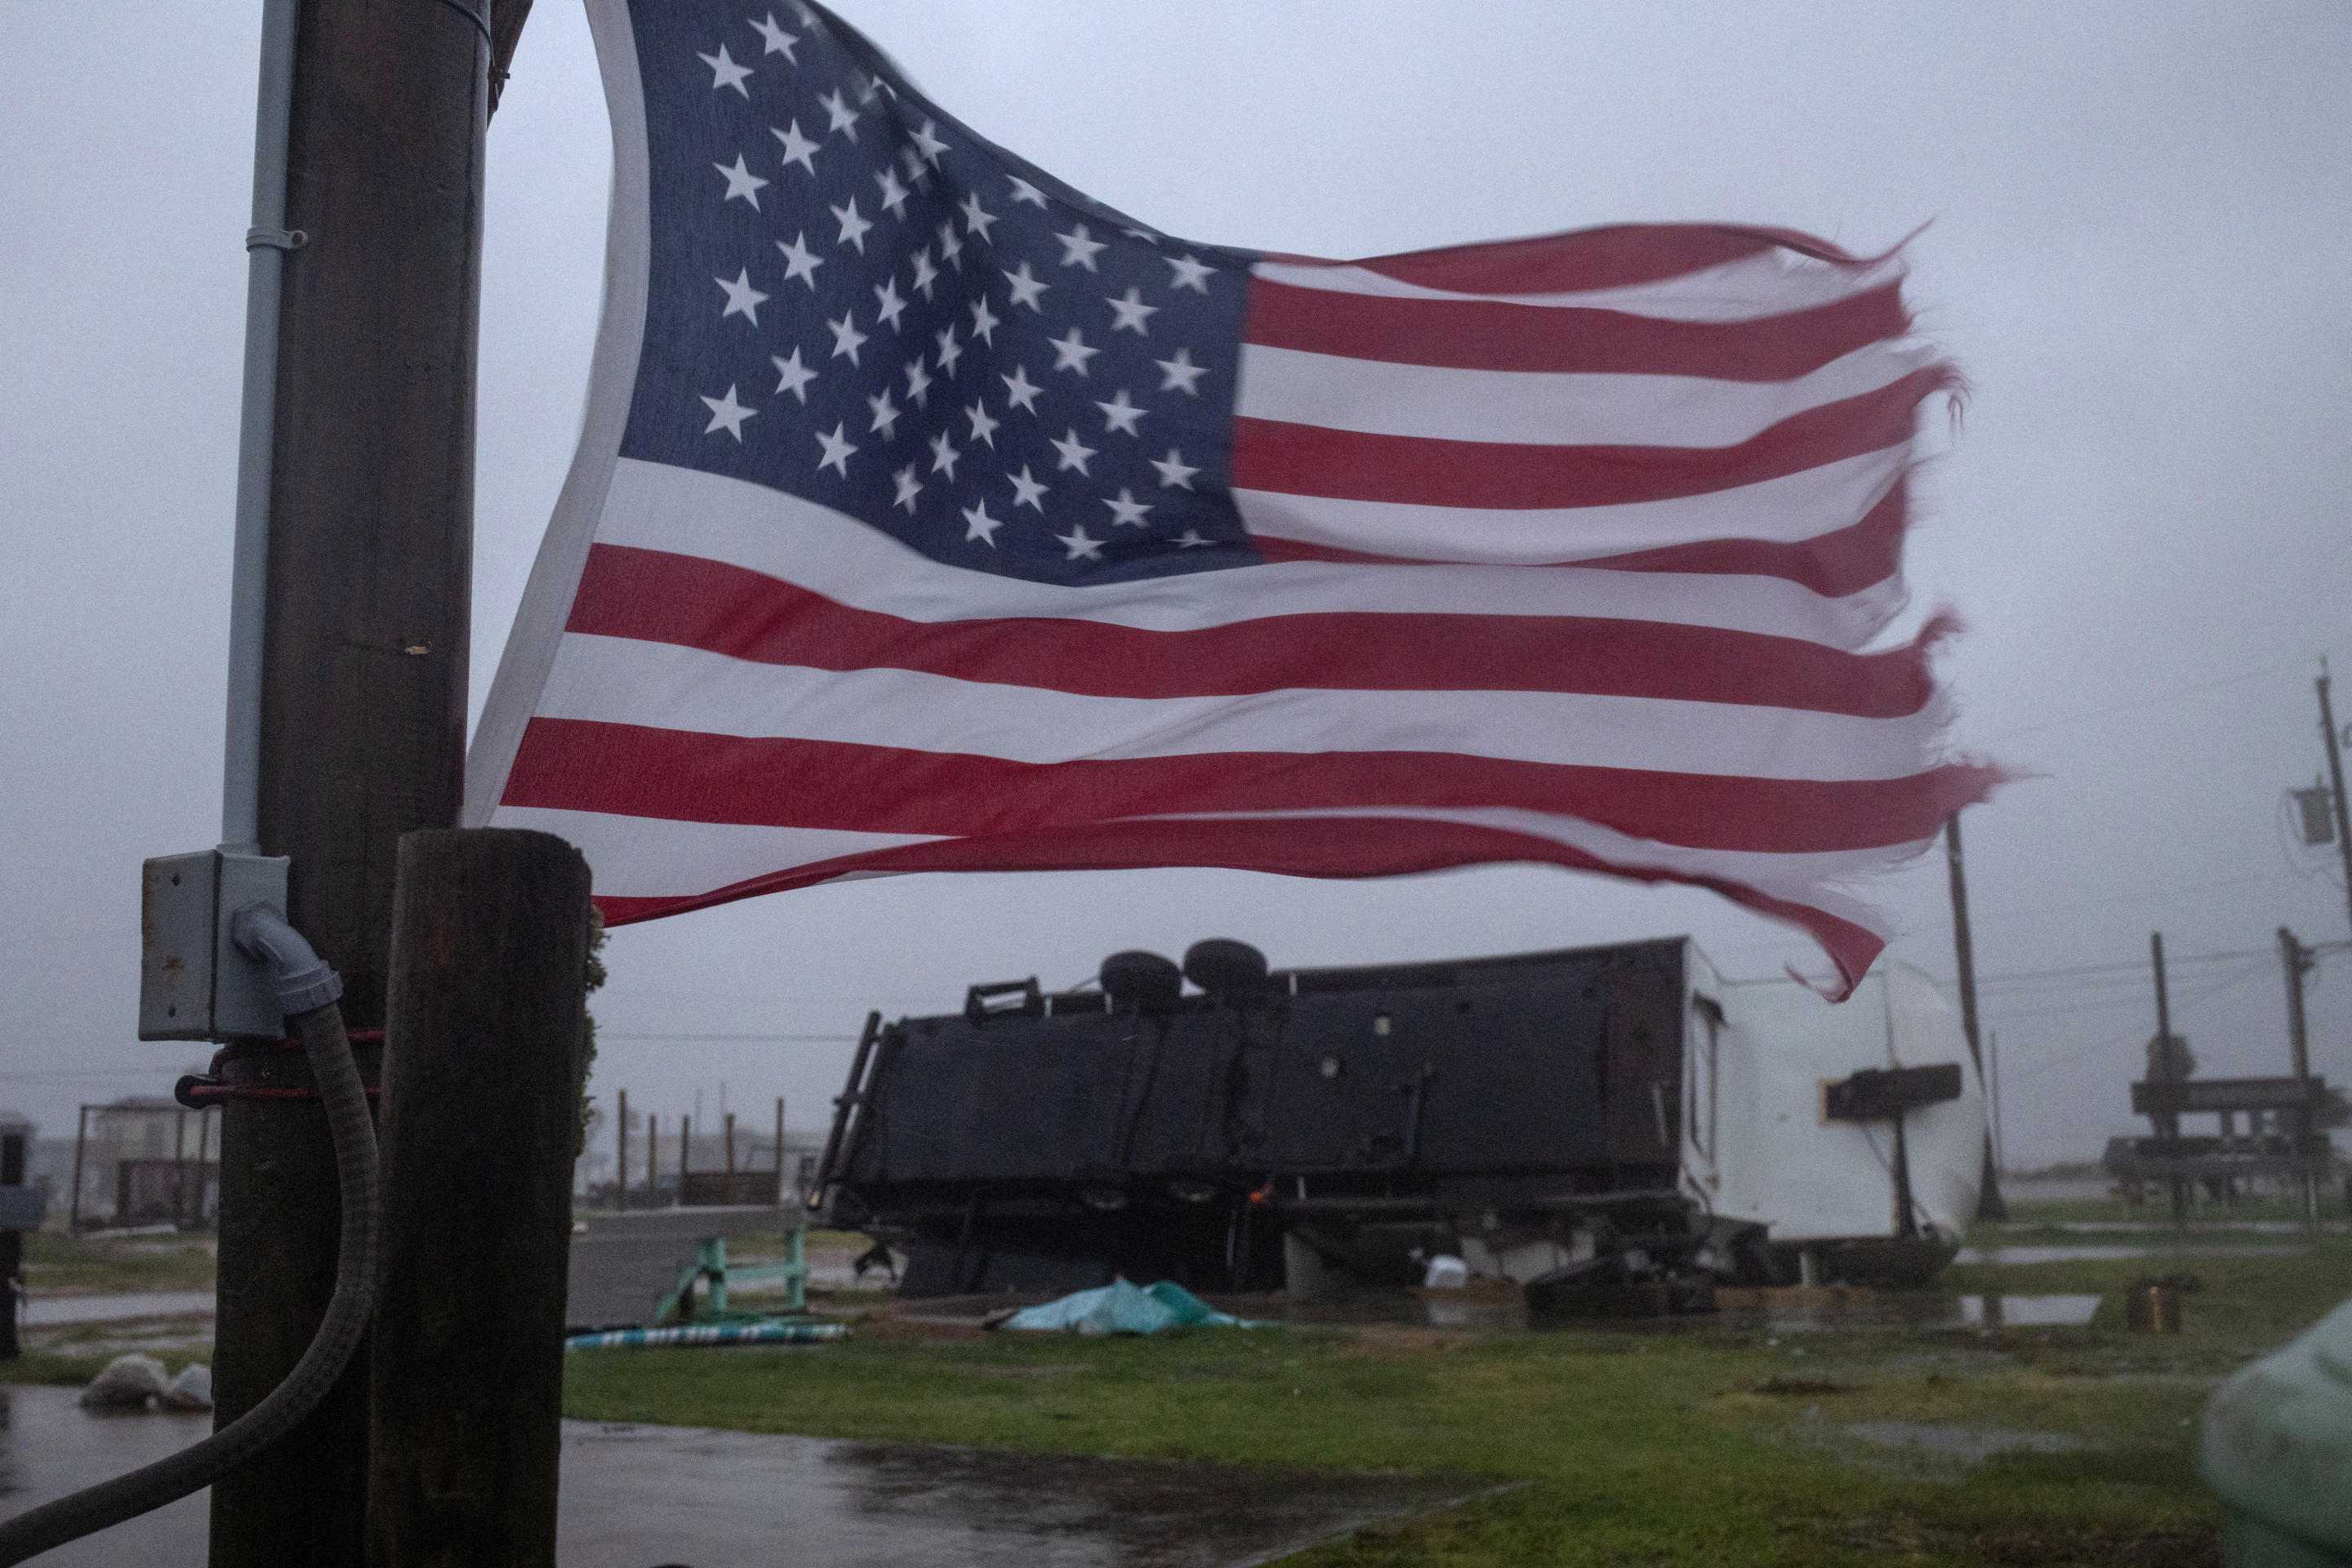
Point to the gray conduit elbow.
(304, 980)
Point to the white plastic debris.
(128, 1383)
(1446, 1272)
(192, 1390)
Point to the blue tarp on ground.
(1120, 1307)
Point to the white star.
(944, 455)
(1121, 415)
(1021, 391)
(1190, 539)
(740, 182)
(798, 149)
(1173, 472)
(925, 273)
(728, 415)
(1189, 273)
(886, 414)
(916, 170)
(909, 487)
(725, 72)
(1025, 288)
(919, 381)
(1023, 190)
(976, 218)
(1127, 510)
(853, 228)
(1078, 544)
(950, 351)
(984, 322)
(1132, 313)
(887, 305)
(800, 261)
(807, 16)
(980, 525)
(743, 300)
(983, 429)
(893, 195)
(951, 245)
(778, 41)
(928, 143)
(1135, 231)
(1074, 451)
(1026, 491)
(793, 376)
(1071, 353)
(837, 449)
(1078, 247)
(837, 110)
(1180, 372)
(845, 337)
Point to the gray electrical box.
(194, 984)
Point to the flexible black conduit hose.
(197, 1466)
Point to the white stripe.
(652, 505)
(1784, 511)
(652, 857)
(1774, 283)
(649, 858)
(1378, 397)
(661, 686)
(1811, 879)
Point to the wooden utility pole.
(2334, 739)
(1988, 1201)
(2298, 961)
(362, 708)
(364, 673)
(2160, 1067)
(483, 1057)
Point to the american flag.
(931, 515)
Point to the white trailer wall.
(1775, 1158)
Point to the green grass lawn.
(57, 1263)
(1628, 1447)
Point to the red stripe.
(1486, 334)
(1616, 257)
(1308, 459)
(1832, 564)
(1361, 847)
(569, 765)
(653, 596)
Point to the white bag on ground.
(192, 1390)
(1446, 1272)
(128, 1383)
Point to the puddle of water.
(1969, 1445)
(2106, 1254)
(637, 1495)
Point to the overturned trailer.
(1618, 1117)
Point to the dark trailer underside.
(1357, 1120)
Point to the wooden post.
(653, 1161)
(81, 1140)
(483, 1058)
(732, 1195)
(12, 1245)
(621, 1155)
(685, 1153)
(2298, 961)
(1988, 1201)
(779, 1149)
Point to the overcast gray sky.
(2140, 223)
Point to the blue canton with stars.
(855, 300)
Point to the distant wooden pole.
(731, 1156)
(1988, 1201)
(621, 1156)
(684, 1152)
(484, 1053)
(2298, 960)
(653, 1161)
(2168, 1124)
(779, 1149)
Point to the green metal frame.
(711, 1269)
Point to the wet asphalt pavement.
(637, 1495)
